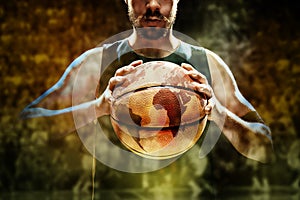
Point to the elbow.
(261, 148)
(24, 114)
(29, 112)
(266, 132)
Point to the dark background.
(258, 39)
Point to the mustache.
(152, 15)
(156, 14)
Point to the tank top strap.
(196, 56)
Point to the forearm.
(251, 138)
(83, 113)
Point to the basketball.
(155, 114)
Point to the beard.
(152, 33)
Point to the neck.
(154, 48)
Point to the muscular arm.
(73, 92)
(236, 117)
(75, 98)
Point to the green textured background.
(38, 39)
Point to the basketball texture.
(155, 114)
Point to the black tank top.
(119, 54)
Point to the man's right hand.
(103, 103)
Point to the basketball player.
(152, 22)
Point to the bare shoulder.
(217, 65)
(225, 86)
(222, 77)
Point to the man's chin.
(152, 33)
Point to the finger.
(202, 88)
(114, 81)
(128, 68)
(187, 67)
(108, 96)
(124, 70)
(197, 76)
(136, 63)
(194, 74)
(209, 107)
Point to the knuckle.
(118, 71)
(112, 80)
